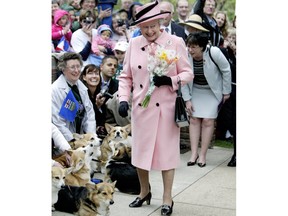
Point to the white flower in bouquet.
(159, 62)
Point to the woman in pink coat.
(154, 132)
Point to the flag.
(69, 107)
(63, 45)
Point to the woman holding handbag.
(204, 96)
(152, 115)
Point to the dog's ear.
(114, 183)
(72, 143)
(127, 128)
(107, 179)
(108, 127)
(77, 136)
(90, 186)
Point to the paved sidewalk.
(208, 191)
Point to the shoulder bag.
(181, 116)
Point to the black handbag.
(181, 116)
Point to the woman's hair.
(88, 68)
(55, 2)
(234, 22)
(82, 1)
(223, 29)
(66, 57)
(86, 13)
(198, 38)
(231, 30)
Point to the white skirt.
(204, 102)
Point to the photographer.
(119, 28)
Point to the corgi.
(80, 173)
(120, 169)
(115, 134)
(58, 181)
(91, 143)
(98, 200)
(84, 139)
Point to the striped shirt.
(199, 73)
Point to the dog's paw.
(53, 209)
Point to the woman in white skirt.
(204, 96)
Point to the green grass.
(223, 144)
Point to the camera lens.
(120, 22)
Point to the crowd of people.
(101, 75)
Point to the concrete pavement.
(208, 191)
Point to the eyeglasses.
(74, 67)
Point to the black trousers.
(226, 119)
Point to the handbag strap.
(179, 93)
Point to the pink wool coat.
(155, 136)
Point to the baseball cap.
(121, 46)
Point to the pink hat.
(148, 12)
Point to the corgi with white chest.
(58, 181)
(98, 200)
(80, 174)
(115, 135)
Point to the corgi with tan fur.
(98, 200)
(80, 174)
(58, 181)
(115, 134)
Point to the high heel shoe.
(201, 165)
(166, 209)
(190, 163)
(138, 201)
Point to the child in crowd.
(54, 6)
(61, 26)
(230, 40)
(102, 44)
(73, 8)
(119, 52)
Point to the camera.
(88, 20)
(105, 93)
(120, 22)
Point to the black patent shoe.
(192, 163)
(138, 201)
(232, 162)
(201, 165)
(166, 209)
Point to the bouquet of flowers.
(159, 62)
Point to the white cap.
(121, 46)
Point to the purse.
(181, 116)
